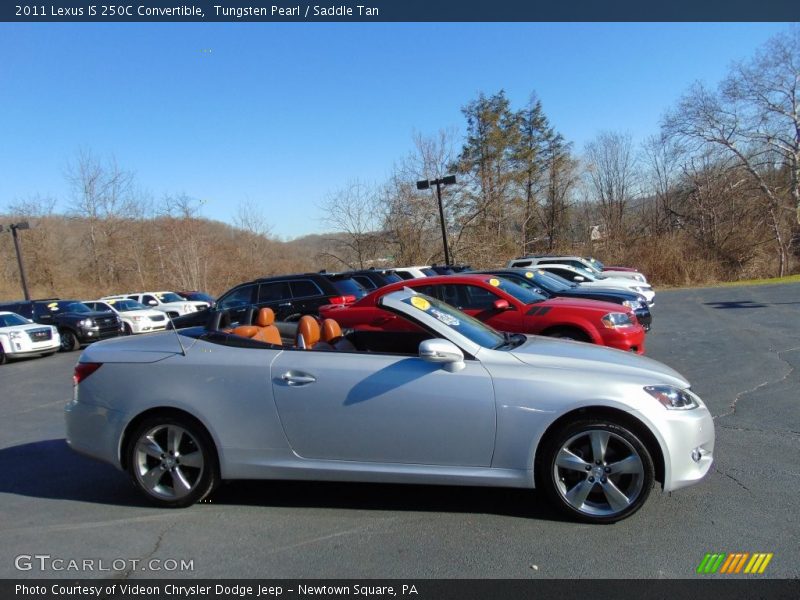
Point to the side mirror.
(443, 352)
(579, 278)
(501, 304)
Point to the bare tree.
(611, 168)
(754, 116)
(101, 196)
(352, 212)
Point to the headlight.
(189, 308)
(633, 304)
(137, 319)
(15, 335)
(673, 398)
(614, 320)
(87, 323)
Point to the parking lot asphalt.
(739, 346)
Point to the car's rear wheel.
(595, 470)
(3, 358)
(69, 341)
(172, 461)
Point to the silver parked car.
(450, 401)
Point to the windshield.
(349, 287)
(11, 320)
(127, 305)
(68, 306)
(524, 295)
(169, 297)
(598, 265)
(429, 272)
(392, 277)
(587, 274)
(456, 320)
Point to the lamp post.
(424, 185)
(14, 227)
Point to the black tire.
(156, 466)
(569, 333)
(69, 341)
(127, 329)
(3, 357)
(568, 472)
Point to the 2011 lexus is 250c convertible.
(453, 402)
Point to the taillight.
(343, 299)
(83, 370)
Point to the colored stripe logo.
(734, 563)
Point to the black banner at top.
(374, 11)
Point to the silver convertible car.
(452, 402)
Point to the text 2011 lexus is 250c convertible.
(452, 402)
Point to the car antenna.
(177, 335)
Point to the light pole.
(424, 185)
(13, 228)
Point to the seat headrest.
(330, 330)
(265, 318)
(309, 329)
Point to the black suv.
(372, 279)
(289, 296)
(77, 324)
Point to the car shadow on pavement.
(509, 502)
(49, 469)
(736, 304)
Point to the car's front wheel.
(595, 470)
(69, 341)
(172, 460)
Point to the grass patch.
(774, 280)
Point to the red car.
(505, 306)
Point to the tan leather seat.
(308, 332)
(330, 331)
(263, 331)
(332, 335)
(247, 331)
(268, 333)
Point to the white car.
(575, 261)
(136, 316)
(586, 278)
(167, 302)
(19, 338)
(415, 272)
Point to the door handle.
(297, 378)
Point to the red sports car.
(505, 306)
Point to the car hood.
(28, 327)
(150, 312)
(596, 290)
(545, 352)
(583, 304)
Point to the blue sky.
(284, 114)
